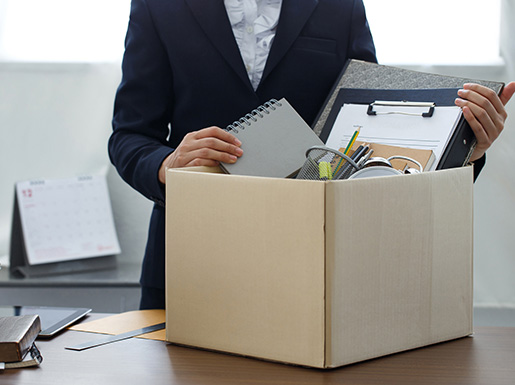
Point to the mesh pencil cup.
(324, 163)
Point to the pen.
(365, 151)
(356, 157)
(365, 158)
(339, 173)
(361, 162)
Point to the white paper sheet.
(66, 219)
(395, 129)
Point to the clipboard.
(365, 83)
(462, 141)
(400, 106)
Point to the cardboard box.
(314, 273)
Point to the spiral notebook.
(274, 141)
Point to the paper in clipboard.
(363, 83)
(392, 127)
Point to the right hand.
(206, 147)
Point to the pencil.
(347, 149)
(352, 140)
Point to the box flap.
(245, 257)
(399, 263)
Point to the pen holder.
(324, 163)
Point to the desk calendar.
(62, 220)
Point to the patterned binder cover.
(360, 75)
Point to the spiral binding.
(253, 116)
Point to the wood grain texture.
(485, 358)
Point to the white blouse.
(254, 23)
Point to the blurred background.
(60, 66)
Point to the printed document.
(392, 127)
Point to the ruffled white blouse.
(254, 23)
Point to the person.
(192, 67)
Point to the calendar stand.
(62, 226)
(19, 265)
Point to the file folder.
(365, 83)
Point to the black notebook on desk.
(274, 141)
(365, 83)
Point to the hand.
(206, 147)
(485, 113)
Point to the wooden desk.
(487, 359)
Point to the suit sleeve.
(361, 41)
(138, 144)
(478, 166)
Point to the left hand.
(484, 111)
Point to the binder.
(364, 83)
(274, 141)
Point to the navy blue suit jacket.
(182, 71)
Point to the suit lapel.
(213, 19)
(294, 15)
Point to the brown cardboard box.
(314, 273)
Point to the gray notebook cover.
(274, 141)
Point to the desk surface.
(486, 358)
(125, 275)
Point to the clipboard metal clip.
(428, 114)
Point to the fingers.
(484, 111)
(217, 132)
(484, 137)
(507, 93)
(206, 147)
(204, 156)
(482, 115)
(483, 97)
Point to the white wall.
(495, 198)
(57, 84)
(55, 120)
(494, 215)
